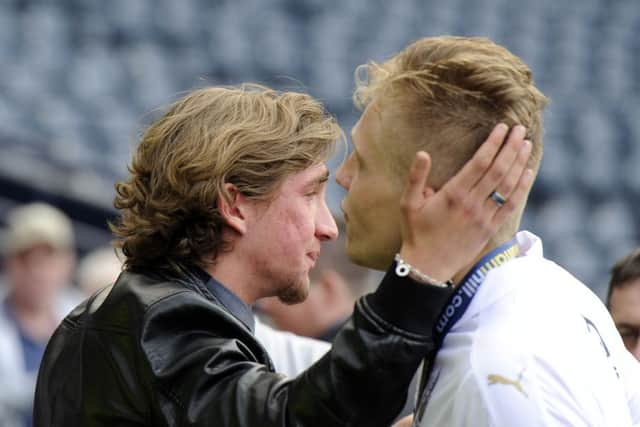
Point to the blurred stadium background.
(81, 78)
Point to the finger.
(428, 192)
(475, 168)
(515, 200)
(510, 181)
(414, 191)
(502, 164)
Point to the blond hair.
(447, 94)
(249, 136)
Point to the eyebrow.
(627, 325)
(354, 146)
(357, 154)
(323, 178)
(318, 180)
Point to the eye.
(357, 160)
(626, 333)
(313, 192)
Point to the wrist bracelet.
(404, 269)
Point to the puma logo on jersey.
(499, 379)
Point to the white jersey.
(535, 347)
(291, 354)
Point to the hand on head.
(444, 231)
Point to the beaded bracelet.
(404, 269)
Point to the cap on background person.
(37, 223)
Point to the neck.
(232, 272)
(491, 245)
(37, 320)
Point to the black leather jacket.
(153, 351)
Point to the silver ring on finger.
(498, 198)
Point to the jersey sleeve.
(291, 354)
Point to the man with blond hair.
(224, 205)
(521, 341)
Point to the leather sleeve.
(211, 376)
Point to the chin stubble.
(294, 293)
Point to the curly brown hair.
(249, 136)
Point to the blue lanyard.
(469, 286)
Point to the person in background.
(38, 253)
(97, 269)
(623, 300)
(336, 284)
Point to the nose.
(326, 227)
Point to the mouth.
(313, 256)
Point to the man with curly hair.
(224, 205)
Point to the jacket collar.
(197, 279)
(238, 308)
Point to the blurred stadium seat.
(82, 77)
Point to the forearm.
(362, 380)
(365, 377)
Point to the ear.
(234, 209)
